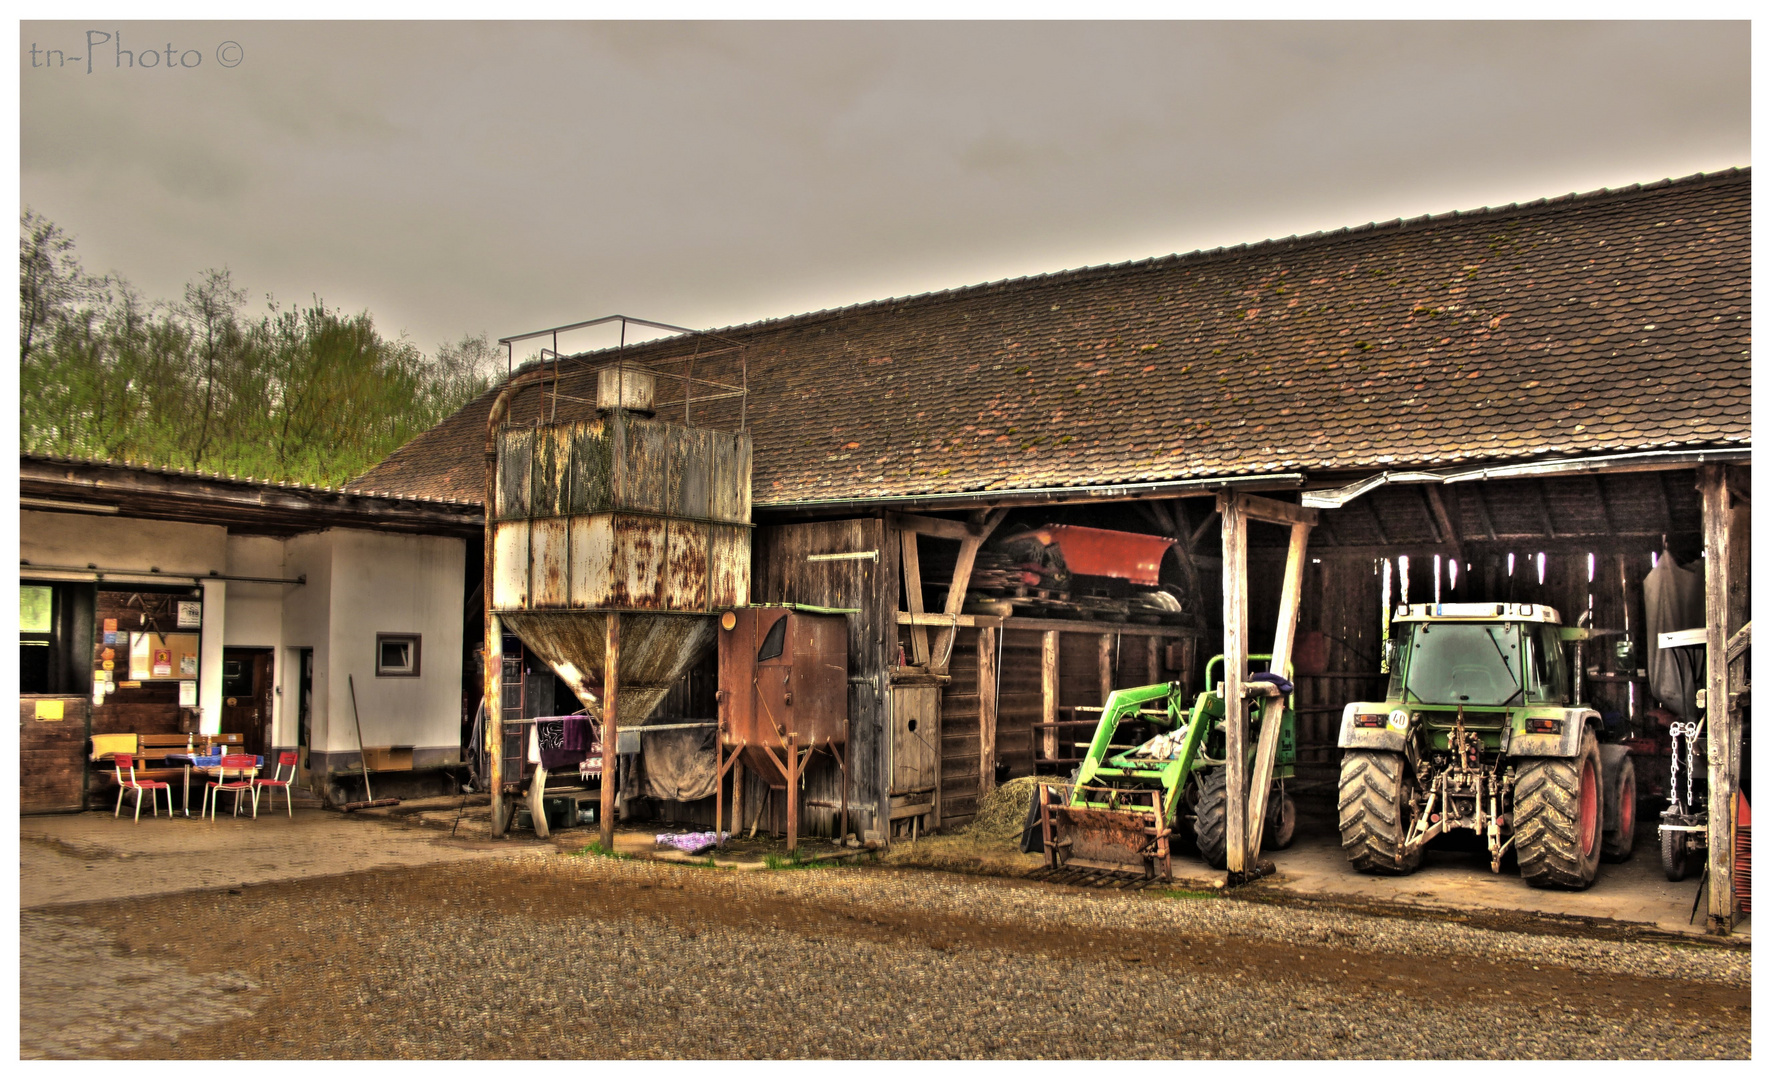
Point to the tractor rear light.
(1543, 727)
(1375, 719)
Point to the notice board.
(163, 656)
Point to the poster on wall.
(190, 614)
(162, 663)
(187, 664)
(187, 694)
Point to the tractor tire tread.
(1546, 820)
(1372, 822)
(1210, 818)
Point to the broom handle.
(362, 758)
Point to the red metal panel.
(1134, 557)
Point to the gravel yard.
(544, 954)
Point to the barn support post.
(611, 728)
(986, 710)
(1048, 692)
(1723, 770)
(1235, 541)
(1273, 708)
(494, 652)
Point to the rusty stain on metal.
(623, 514)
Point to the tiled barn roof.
(1605, 322)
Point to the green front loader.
(1152, 763)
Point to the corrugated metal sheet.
(620, 514)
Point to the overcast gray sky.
(459, 177)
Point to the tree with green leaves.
(311, 394)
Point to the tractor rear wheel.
(1209, 816)
(1620, 804)
(1376, 812)
(1558, 811)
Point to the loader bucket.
(1126, 841)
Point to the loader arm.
(1169, 774)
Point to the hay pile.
(1004, 810)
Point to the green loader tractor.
(1151, 763)
(1481, 730)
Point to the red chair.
(284, 760)
(244, 764)
(127, 761)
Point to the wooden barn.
(1533, 403)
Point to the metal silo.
(613, 541)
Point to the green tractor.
(1482, 730)
(1128, 797)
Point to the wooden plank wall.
(781, 573)
(959, 734)
(52, 756)
(1018, 700)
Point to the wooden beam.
(611, 727)
(928, 526)
(494, 682)
(1079, 626)
(1377, 524)
(1272, 510)
(986, 711)
(1104, 665)
(1235, 581)
(1543, 509)
(1603, 504)
(1048, 691)
(935, 618)
(1199, 533)
(1273, 709)
(962, 576)
(1722, 721)
(912, 572)
(1482, 511)
(1448, 530)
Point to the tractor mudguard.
(1388, 737)
(1562, 744)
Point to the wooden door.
(916, 733)
(246, 697)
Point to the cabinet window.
(55, 638)
(396, 655)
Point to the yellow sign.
(110, 665)
(49, 710)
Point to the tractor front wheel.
(1675, 854)
(1282, 820)
(1620, 804)
(1558, 811)
(1376, 812)
(1210, 813)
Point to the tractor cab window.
(1463, 664)
(1549, 669)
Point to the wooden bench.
(151, 752)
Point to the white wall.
(306, 614)
(118, 543)
(392, 583)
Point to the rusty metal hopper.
(656, 648)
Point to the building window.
(397, 655)
(55, 638)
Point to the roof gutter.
(1647, 461)
(1160, 489)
